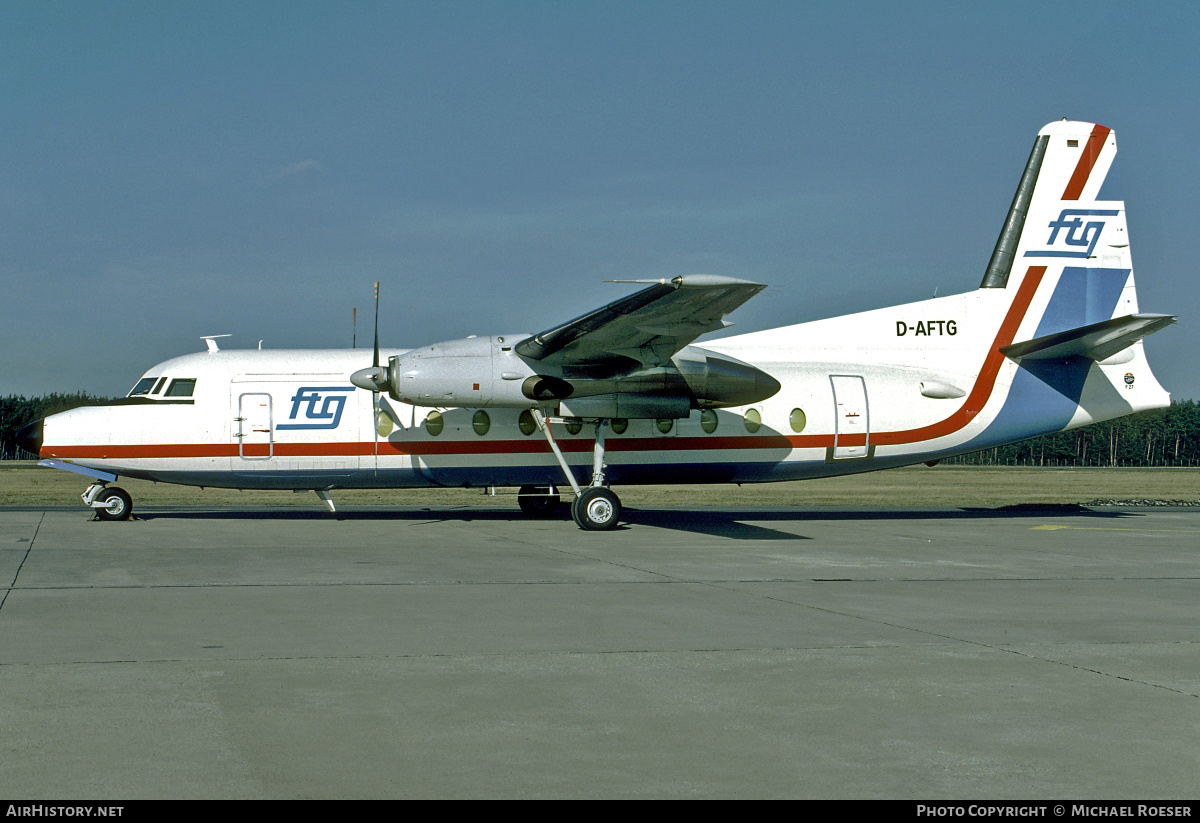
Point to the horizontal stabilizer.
(1097, 341)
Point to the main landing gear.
(595, 508)
(109, 502)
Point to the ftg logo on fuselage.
(322, 405)
(1072, 231)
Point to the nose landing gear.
(109, 502)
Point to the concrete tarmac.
(1020, 653)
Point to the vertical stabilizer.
(1066, 168)
(1063, 260)
(1077, 245)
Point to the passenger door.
(852, 428)
(254, 426)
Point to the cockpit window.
(143, 387)
(183, 387)
(158, 386)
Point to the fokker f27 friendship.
(1051, 340)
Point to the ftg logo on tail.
(1075, 233)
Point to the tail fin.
(1054, 214)
(1067, 254)
(1077, 245)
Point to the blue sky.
(170, 170)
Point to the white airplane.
(1051, 340)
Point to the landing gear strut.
(595, 508)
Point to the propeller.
(375, 378)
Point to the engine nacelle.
(695, 379)
(475, 372)
(485, 372)
(719, 381)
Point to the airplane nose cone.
(30, 438)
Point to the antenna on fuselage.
(210, 340)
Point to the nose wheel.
(108, 502)
(113, 503)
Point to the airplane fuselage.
(885, 388)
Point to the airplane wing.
(647, 327)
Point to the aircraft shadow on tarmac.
(731, 523)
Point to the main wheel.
(118, 505)
(596, 509)
(536, 501)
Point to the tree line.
(1161, 437)
(1157, 438)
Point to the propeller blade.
(378, 378)
(375, 361)
(375, 378)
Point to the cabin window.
(753, 420)
(798, 420)
(526, 423)
(708, 421)
(619, 425)
(143, 387)
(481, 422)
(665, 424)
(574, 425)
(434, 423)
